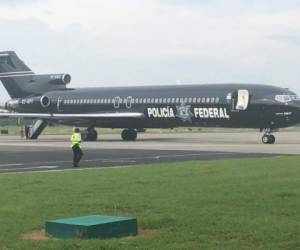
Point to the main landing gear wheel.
(90, 135)
(129, 135)
(268, 139)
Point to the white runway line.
(13, 165)
(119, 160)
(71, 169)
(29, 168)
(57, 169)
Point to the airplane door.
(117, 101)
(59, 104)
(240, 100)
(129, 102)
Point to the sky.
(134, 42)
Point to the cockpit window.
(286, 98)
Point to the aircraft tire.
(129, 135)
(272, 139)
(265, 139)
(268, 139)
(90, 135)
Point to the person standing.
(22, 132)
(27, 131)
(75, 144)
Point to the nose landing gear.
(268, 137)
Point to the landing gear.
(268, 137)
(129, 135)
(90, 134)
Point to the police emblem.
(184, 112)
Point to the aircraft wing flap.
(59, 116)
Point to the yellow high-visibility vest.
(75, 139)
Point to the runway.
(53, 153)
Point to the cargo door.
(60, 104)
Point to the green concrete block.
(92, 227)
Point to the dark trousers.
(77, 154)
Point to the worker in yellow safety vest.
(75, 144)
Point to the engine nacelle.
(30, 104)
(54, 79)
(45, 101)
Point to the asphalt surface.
(53, 153)
(20, 159)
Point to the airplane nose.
(296, 104)
(293, 108)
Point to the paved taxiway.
(52, 153)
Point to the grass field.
(232, 204)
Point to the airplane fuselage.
(208, 105)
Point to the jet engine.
(45, 101)
(30, 104)
(40, 84)
(55, 79)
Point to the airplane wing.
(84, 116)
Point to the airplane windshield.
(286, 98)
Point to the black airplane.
(47, 99)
